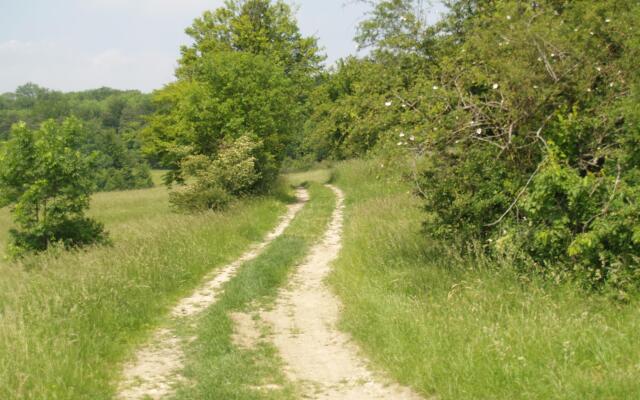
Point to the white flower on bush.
(388, 103)
(435, 87)
(401, 134)
(412, 138)
(479, 131)
(495, 86)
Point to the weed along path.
(317, 355)
(156, 368)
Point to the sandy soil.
(155, 369)
(317, 354)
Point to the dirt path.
(155, 369)
(304, 322)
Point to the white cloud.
(58, 67)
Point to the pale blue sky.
(129, 44)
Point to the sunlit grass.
(67, 319)
(469, 328)
(316, 175)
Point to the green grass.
(466, 328)
(68, 320)
(216, 368)
(316, 175)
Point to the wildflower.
(401, 134)
(535, 86)
(495, 86)
(388, 103)
(412, 138)
(591, 33)
(539, 59)
(509, 17)
(599, 69)
(479, 131)
(399, 143)
(435, 87)
(607, 20)
(589, 90)
(553, 55)
(611, 84)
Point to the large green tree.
(247, 73)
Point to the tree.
(231, 94)
(248, 73)
(47, 182)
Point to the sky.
(74, 45)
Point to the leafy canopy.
(247, 74)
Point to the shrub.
(48, 183)
(534, 151)
(211, 183)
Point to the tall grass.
(68, 319)
(466, 327)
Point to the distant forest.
(111, 121)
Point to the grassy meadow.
(457, 327)
(67, 319)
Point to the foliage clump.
(211, 183)
(48, 183)
(522, 121)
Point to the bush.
(211, 183)
(48, 184)
(532, 139)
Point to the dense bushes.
(48, 183)
(530, 151)
(212, 183)
(522, 119)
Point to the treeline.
(522, 122)
(110, 124)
